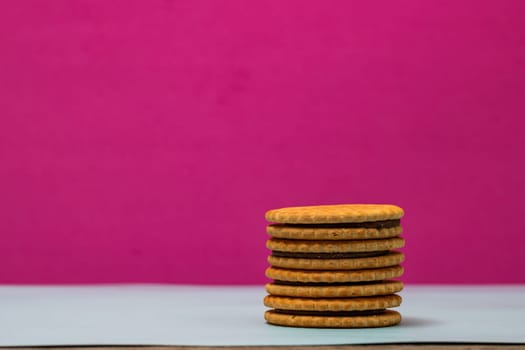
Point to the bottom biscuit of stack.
(330, 271)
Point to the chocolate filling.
(319, 284)
(330, 313)
(308, 255)
(370, 224)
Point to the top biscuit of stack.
(332, 214)
(336, 222)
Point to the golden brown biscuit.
(316, 276)
(335, 291)
(389, 259)
(341, 213)
(384, 319)
(319, 233)
(332, 304)
(366, 245)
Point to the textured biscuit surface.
(317, 276)
(331, 233)
(385, 319)
(366, 245)
(334, 213)
(390, 259)
(336, 291)
(332, 304)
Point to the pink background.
(142, 141)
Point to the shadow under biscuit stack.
(333, 266)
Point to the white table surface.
(222, 316)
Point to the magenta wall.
(142, 141)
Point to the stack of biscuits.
(332, 266)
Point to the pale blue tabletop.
(221, 316)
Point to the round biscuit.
(336, 291)
(366, 245)
(332, 304)
(385, 319)
(331, 233)
(316, 276)
(390, 259)
(340, 213)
